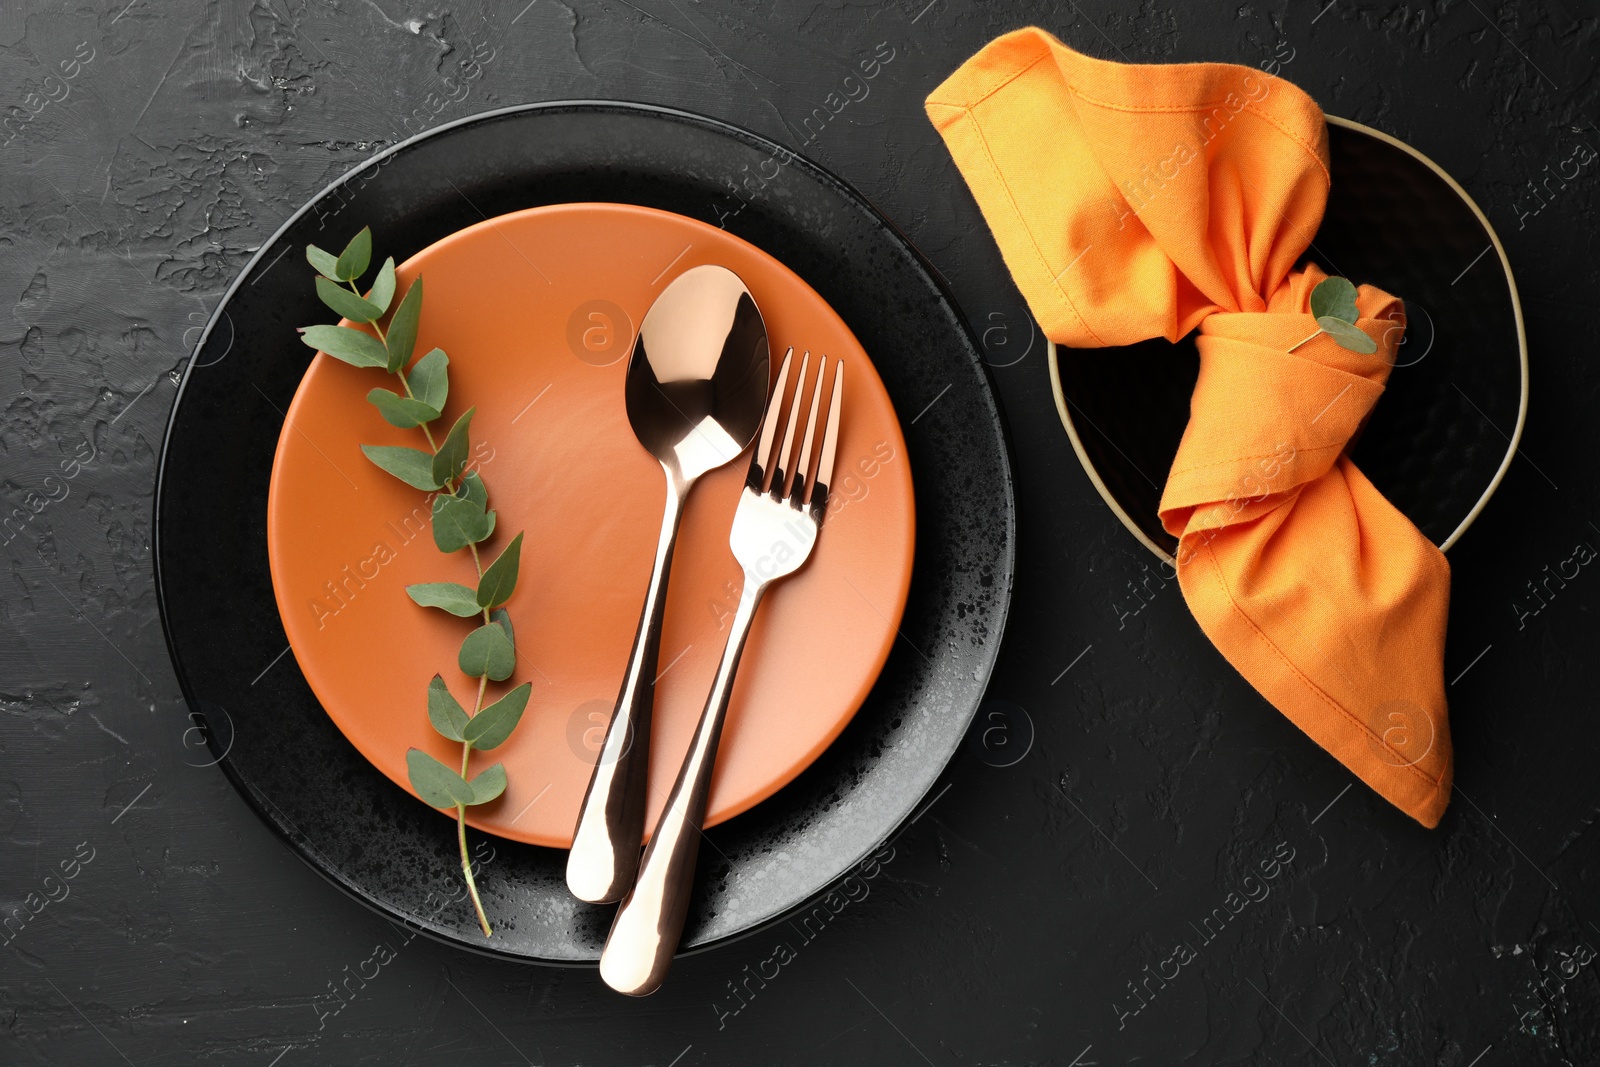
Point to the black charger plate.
(268, 731)
(1439, 439)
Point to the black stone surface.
(1011, 918)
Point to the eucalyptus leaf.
(411, 465)
(1347, 335)
(451, 459)
(357, 254)
(326, 263)
(491, 726)
(503, 617)
(459, 522)
(429, 380)
(1334, 298)
(401, 411)
(355, 347)
(445, 712)
(487, 652)
(383, 286)
(345, 303)
(402, 333)
(453, 597)
(435, 783)
(488, 785)
(473, 489)
(500, 577)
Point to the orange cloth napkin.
(1140, 201)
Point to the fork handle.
(605, 842)
(645, 934)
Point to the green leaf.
(355, 257)
(411, 465)
(345, 303)
(326, 263)
(487, 652)
(488, 785)
(430, 379)
(453, 597)
(355, 347)
(402, 333)
(491, 726)
(435, 783)
(401, 411)
(503, 617)
(459, 522)
(1334, 298)
(445, 712)
(383, 287)
(500, 578)
(1347, 335)
(473, 489)
(451, 459)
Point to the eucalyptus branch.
(461, 519)
(1333, 305)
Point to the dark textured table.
(1028, 915)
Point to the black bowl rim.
(1005, 582)
(1064, 411)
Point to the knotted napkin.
(1140, 201)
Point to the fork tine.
(818, 500)
(802, 463)
(781, 464)
(761, 462)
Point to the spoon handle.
(606, 842)
(644, 936)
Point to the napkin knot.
(1275, 405)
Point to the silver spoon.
(696, 388)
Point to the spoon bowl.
(697, 380)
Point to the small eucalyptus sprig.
(461, 519)
(1333, 305)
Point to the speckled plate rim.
(1063, 408)
(1004, 585)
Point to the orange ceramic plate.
(537, 310)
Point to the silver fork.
(779, 515)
